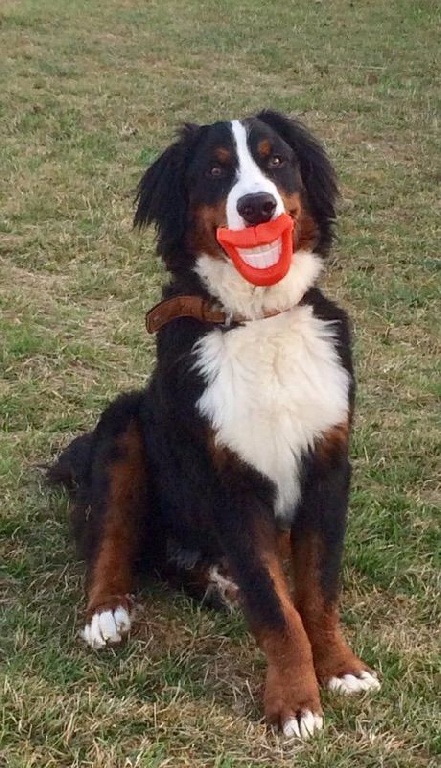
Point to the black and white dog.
(235, 456)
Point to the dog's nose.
(257, 208)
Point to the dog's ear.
(162, 195)
(318, 175)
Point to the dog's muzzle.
(261, 254)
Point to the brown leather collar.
(192, 306)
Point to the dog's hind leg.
(114, 522)
(110, 576)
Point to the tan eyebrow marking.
(264, 148)
(223, 154)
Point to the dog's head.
(238, 175)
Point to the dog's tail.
(72, 470)
(72, 466)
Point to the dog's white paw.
(350, 684)
(303, 727)
(107, 628)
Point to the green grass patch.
(91, 93)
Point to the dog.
(233, 461)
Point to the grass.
(91, 92)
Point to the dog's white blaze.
(273, 386)
(249, 179)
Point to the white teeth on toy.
(262, 256)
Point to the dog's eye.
(216, 171)
(276, 161)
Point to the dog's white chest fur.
(273, 387)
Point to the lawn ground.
(90, 93)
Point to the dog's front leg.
(291, 697)
(317, 546)
(249, 536)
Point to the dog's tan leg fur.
(111, 577)
(292, 698)
(332, 656)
